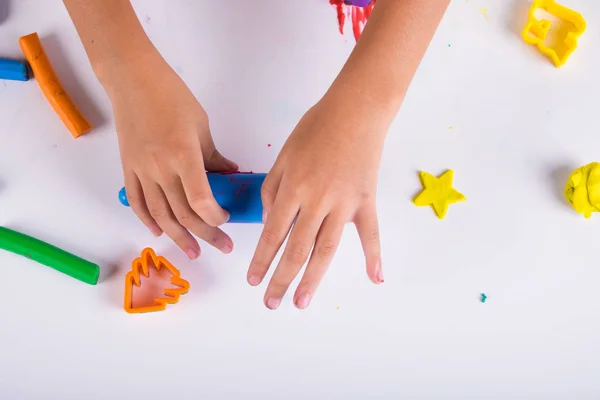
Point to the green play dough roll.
(49, 255)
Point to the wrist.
(346, 116)
(359, 100)
(124, 61)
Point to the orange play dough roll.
(51, 86)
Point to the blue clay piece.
(123, 197)
(13, 70)
(239, 194)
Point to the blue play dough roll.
(123, 197)
(237, 193)
(13, 70)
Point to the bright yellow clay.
(583, 189)
(438, 192)
(536, 31)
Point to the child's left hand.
(324, 177)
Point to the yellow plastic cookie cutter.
(536, 31)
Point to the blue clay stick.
(13, 70)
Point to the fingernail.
(156, 231)
(264, 216)
(303, 301)
(254, 280)
(273, 303)
(192, 254)
(379, 275)
(227, 249)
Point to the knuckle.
(200, 200)
(158, 212)
(270, 238)
(163, 172)
(265, 193)
(132, 200)
(366, 197)
(259, 267)
(298, 254)
(181, 156)
(373, 236)
(325, 250)
(151, 157)
(277, 286)
(186, 220)
(318, 204)
(256, 267)
(295, 191)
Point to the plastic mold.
(142, 265)
(536, 30)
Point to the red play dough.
(358, 15)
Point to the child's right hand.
(166, 149)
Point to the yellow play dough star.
(438, 192)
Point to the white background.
(519, 126)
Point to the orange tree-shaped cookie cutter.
(141, 265)
(536, 31)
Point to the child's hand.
(325, 176)
(166, 147)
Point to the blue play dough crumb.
(123, 197)
(483, 297)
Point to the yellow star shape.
(438, 192)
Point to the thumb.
(217, 163)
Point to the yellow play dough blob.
(582, 190)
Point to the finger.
(268, 191)
(191, 221)
(274, 233)
(160, 210)
(217, 163)
(368, 231)
(199, 194)
(328, 240)
(294, 256)
(135, 197)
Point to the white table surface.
(519, 126)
